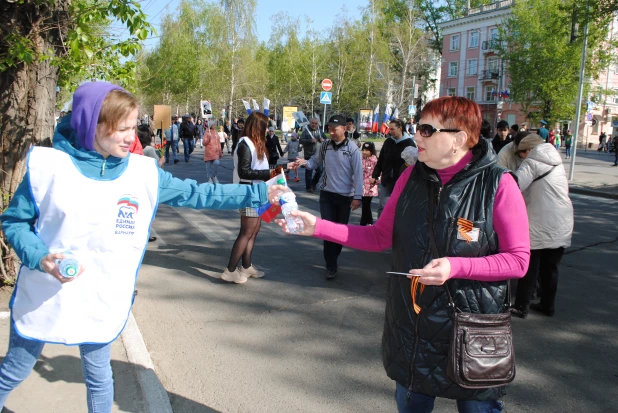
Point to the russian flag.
(376, 114)
(247, 106)
(385, 119)
(266, 106)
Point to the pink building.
(472, 68)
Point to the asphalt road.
(293, 342)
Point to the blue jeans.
(174, 145)
(419, 403)
(211, 169)
(24, 353)
(188, 145)
(568, 151)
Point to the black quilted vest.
(415, 346)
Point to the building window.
(489, 93)
(454, 42)
(474, 39)
(615, 97)
(472, 67)
(492, 64)
(452, 69)
(470, 93)
(493, 34)
(451, 91)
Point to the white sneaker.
(233, 276)
(251, 272)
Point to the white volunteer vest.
(256, 164)
(105, 224)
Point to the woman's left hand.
(437, 272)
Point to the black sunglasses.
(426, 130)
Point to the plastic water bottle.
(288, 204)
(68, 266)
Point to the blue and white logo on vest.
(127, 212)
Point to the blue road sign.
(411, 110)
(326, 98)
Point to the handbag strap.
(545, 174)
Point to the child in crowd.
(88, 195)
(292, 150)
(369, 190)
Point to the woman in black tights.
(250, 166)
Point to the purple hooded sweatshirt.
(87, 101)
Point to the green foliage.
(543, 58)
(89, 50)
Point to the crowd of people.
(470, 219)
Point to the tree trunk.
(27, 101)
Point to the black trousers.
(366, 216)
(334, 208)
(544, 264)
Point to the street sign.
(327, 85)
(589, 116)
(590, 106)
(411, 110)
(326, 98)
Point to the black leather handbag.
(481, 353)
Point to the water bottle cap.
(71, 271)
(281, 181)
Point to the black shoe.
(176, 161)
(518, 312)
(537, 307)
(152, 239)
(186, 160)
(309, 190)
(330, 274)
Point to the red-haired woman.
(480, 230)
(250, 166)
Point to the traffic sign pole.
(324, 120)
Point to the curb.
(156, 399)
(592, 192)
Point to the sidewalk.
(56, 384)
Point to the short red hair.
(455, 112)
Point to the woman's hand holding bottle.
(309, 221)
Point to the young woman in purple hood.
(88, 196)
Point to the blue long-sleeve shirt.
(19, 220)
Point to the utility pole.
(580, 92)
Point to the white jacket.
(508, 158)
(550, 212)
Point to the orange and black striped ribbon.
(465, 226)
(413, 288)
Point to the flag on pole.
(266, 106)
(395, 114)
(255, 105)
(315, 115)
(376, 114)
(247, 106)
(385, 119)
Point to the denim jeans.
(24, 353)
(188, 145)
(334, 208)
(174, 145)
(211, 170)
(420, 403)
(568, 151)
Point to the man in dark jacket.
(390, 163)
(188, 132)
(310, 139)
(237, 132)
(503, 137)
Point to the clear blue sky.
(322, 12)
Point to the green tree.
(543, 57)
(45, 44)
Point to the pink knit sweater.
(510, 224)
